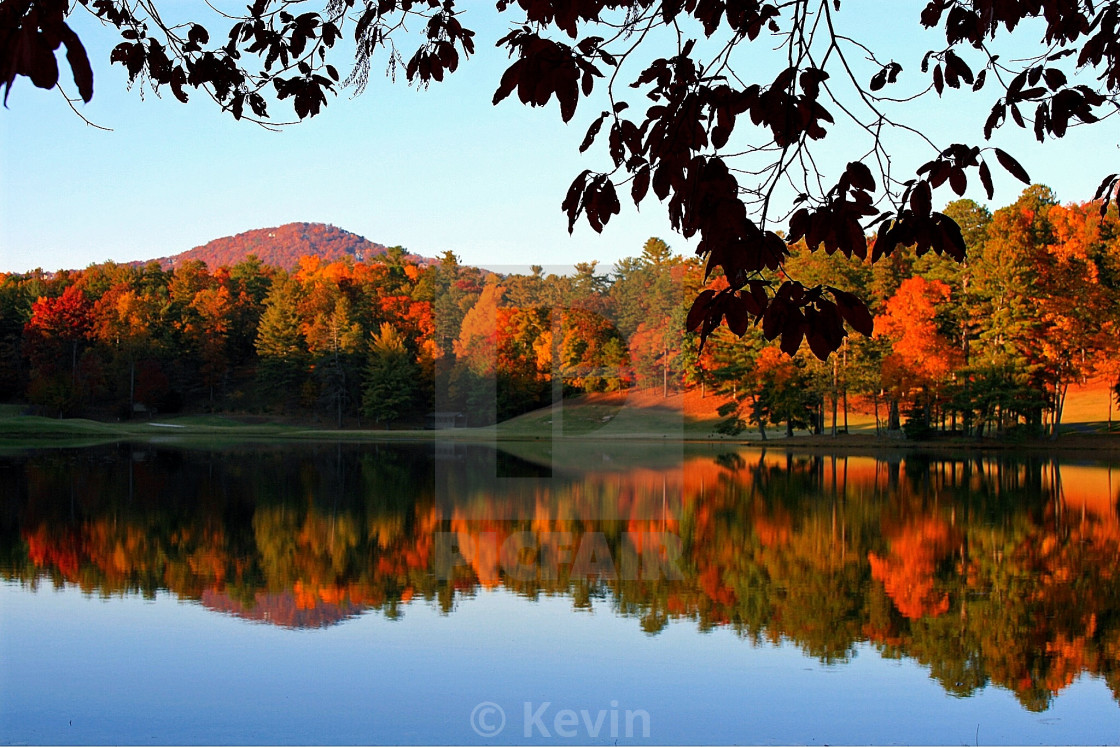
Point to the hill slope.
(282, 246)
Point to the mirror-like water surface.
(376, 594)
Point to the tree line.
(987, 346)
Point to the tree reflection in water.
(984, 570)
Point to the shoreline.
(31, 432)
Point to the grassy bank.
(29, 431)
(623, 417)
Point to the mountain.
(284, 609)
(282, 246)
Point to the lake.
(556, 592)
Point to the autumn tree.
(591, 354)
(922, 357)
(187, 280)
(784, 392)
(524, 361)
(476, 353)
(1030, 338)
(60, 326)
(1095, 236)
(210, 330)
(127, 322)
(55, 335)
(1077, 328)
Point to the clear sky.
(429, 170)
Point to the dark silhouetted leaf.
(738, 320)
(79, 63)
(957, 180)
(700, 310)
(921, 198)
(854, 311)
(641, 184)
(792, 332)
(861, 176)
(1012, 166)
(986, 179)
(592, 131)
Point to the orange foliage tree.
(922, 356)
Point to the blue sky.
(430, 170)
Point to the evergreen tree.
(391, 377)
(335, 341)
(15, 311)
(280, 346)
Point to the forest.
(986, 347)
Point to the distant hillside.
(283, 609)
(283, 246)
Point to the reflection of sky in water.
(78, 669)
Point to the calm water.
(405, 594)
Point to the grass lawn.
(626, 416)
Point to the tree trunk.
(341, 388)
(1110, 412)
(877, 421)
(835, 396)
(665, 372)
(1059, 404)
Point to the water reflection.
(982, 570)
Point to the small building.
(139, 408)
(446, 419)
